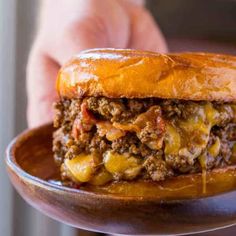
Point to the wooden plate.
(176, 206)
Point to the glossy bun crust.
(116, 73)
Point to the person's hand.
(67, 27)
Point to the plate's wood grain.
(30, 164)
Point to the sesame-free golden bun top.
(116, 73)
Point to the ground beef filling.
(99, 140)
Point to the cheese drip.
(189, 137)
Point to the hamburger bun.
(129, 73)
(127, 115)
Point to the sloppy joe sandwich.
(127, 115)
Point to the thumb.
(145, 33)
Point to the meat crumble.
(101, 139)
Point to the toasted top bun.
(116, 73)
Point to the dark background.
(196, 19)
(197, 25)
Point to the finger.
(44, 63)
(41, 75)
(145, 33)
(56, 45)
(102, 24)
(78, 36)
